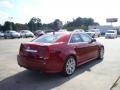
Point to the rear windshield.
(48, 38)
(110, 32)
(25, 31)
(92, 30)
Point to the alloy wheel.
(70, 66)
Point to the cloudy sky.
(65, 10)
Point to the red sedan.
(59, 52)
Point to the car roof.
(111, 30)
(66, 32)
(25, 31)
(11, 31)
(94, 30)
(56, 33)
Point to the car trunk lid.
(34, 50)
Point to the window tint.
(50, 38)
(75, 38)
(85, 37)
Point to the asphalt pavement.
(95, 75)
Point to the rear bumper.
(36, 65)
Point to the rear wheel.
(5, 37)
(99, 35)
(70, 66)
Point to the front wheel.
(101, 53)
(70, 66)
(99, 35)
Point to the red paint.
(50, 58)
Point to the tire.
(69, 66)
(12, 37)
(5, 37)
(101, 53)
(32, 36)
(99, 35)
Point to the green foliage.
(0, 27)
(19, 26)
(8, 26)
(35, 24)
(53, 26)
(57, 24)
(79, 23)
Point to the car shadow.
(27, 80)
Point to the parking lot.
(94, 75)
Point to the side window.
(85, 37)
(75, 38)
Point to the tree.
(34, 24)
(0, 27)
(39, 24)
(19, 26)
(79, 23)
(57, 24)
(7, 25)
(53, 26)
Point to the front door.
(80, 47)
(92, 47)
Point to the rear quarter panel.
(58, 55)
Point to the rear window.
(48, 38)
(110, 32)
(25, 31)
(92, 30)
(96, 30)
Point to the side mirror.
(93, 36)
(93, 40)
